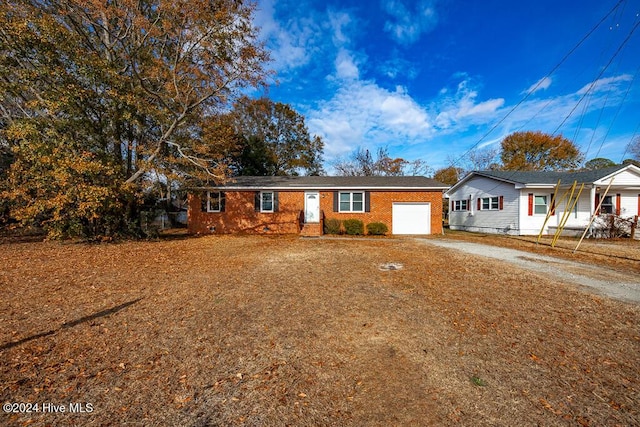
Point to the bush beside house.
(332, 226)
(377, 229)
(353, 227)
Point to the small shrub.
(353, 227)
(332, 226)
(377, 229)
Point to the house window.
(266, 201)
(461, 205)
(540, 205)
(352, 202)
(490, 203)
(607, 205)
(214, 201)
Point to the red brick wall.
(381, 207)
(240, 216)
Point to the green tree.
(538, 151)
(125, 86)
(599, 163)
(275, 138)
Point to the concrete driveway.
(612, 283)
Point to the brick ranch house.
(300, 205)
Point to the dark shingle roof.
(541, 177)
(332, 182)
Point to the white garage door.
(411, 218)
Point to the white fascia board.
(533, 186)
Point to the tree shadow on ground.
(71, 324)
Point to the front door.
(312, 207)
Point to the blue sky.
(430, 79)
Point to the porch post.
(592, 200)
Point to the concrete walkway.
(609, 282)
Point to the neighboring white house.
(514, 202)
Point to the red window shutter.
(530, 204)
(451, 206)
(618, 197)
(501, 203)
(597, 201)
(553, 204)
(478, 203)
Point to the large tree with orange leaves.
(95, 95)
(528, 151)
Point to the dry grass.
(285, 331)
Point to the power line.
(540, 82)
(615, 116)
(593, 83)
(633, 137)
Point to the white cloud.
(467, 108)
(291, 43)
(606, 84)
(398, 67)
(364, 114)
(407, 25)
(361, 113)
(542, 84)
(346, 67)
(339, 21)
(574, 115)
(460, 109)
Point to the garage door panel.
(411, 218)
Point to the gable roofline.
(282, 183)
(547, 179)
(467, 177)
(630, 166)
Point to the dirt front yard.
(262, 331)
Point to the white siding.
(486, 221)
(515, 218)
(629, 203)
(581, 217)
(531, 224)
(624, 178)
(578, 218)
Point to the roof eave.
(534, 185)
(606, 179)
(317, 188)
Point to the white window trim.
(272, 201)
(546, 204)
(209, 201)
(490, 200)
(457, 205)
(612, 205)
(350, 193)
